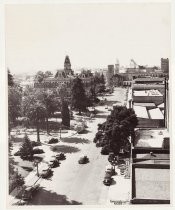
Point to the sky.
(38, 37)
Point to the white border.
(3, 101)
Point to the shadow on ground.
(101, 116)
(75, 140)
(44, 197)
(64, 149)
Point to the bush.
(18, 153)
(38, 151)
(35, 143)
(53, 141)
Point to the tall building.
(67, 66)
(165, 65)
(109, 75)
(117, 66)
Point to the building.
(117, 67)
(64, 79)
(109, 75)
(165, 65)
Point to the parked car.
(107, 181)
(83, 160)
(60, 156)
(46, 173)
(54, 163)
(110, 171)
(29, 191)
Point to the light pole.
(36, 161)
(114, 162)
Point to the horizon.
(38, 37)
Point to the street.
(74, 183)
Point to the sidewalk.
(120, 191)
(30, 180)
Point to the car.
(46, 173)
(111, 171)
(54, 163)
(60, 156)
(122, 171)
(83, 160)
(107, 181)
(29, 191)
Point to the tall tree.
(65, 114)
(79, 98)
(34, 110)
(39, 76)
(10, 79)
(14, 105)
(48, 74)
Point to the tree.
(48, 74)
(18, 180)
(47, 98)
(26, 150)
(65, 114)
(10, 79)
(118, 127)
(39, 76)
(34, 110)
(14, 105)
(79, 98)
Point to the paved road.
(73, 183)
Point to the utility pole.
(165, 105)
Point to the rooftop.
(152, 183)
(155, 114)
(146, 93)
(150, 138)
(145, 104)
(141, 111)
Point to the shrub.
(35, 143)
(38, 151)
(53, 141)
(18, 153)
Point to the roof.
(155, 114)
(161, 105)
(145, 79)
(147, 93)
(152, 183)
(150, 138)
(141, 111)
(145, 104)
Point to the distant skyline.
(38, 37)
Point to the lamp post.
(114, 162)
(36, 161)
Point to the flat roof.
(152, 183)
(141, 111)
(161, 105)
(150, 138)
(150, 79)
(144, 104)
(147, 93)
(155, 114)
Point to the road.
(77, 184)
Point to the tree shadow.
(29, 169)
(44, 197)
(75, 140)
(64, 149)
(101, 116)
